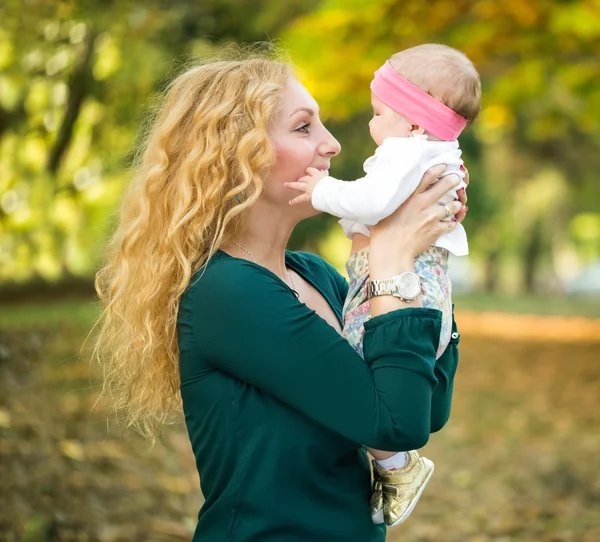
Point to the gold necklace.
(254, 260)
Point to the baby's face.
(386, 122)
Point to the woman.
(201, 298)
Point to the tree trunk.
(80, 84)
(531, 256)
(492, 271)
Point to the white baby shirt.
(392, 175)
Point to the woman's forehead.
(296, 97)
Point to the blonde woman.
(204, 304)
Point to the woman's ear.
(416, 130)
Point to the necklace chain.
(254, 260)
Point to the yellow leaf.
(72, 449)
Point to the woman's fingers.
(448, 226)
(444, 226)
(440, 188)
(466, 172)
(449, 209)
(430, 177)
(462, 197)
(460, 216)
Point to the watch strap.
(390, 287)
(381, 287)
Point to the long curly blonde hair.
(202, 167)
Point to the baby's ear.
(416, 130)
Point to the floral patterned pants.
(436, 289)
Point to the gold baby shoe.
(396, 492)
(376, 502)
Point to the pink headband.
(416, 105)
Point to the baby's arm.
(392, 178)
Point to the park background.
(519, 458)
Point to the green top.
(277, 404)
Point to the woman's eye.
(303, 129)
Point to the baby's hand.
(306, 185)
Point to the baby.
(423, 98)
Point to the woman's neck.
(265, 237)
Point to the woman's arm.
(249, 325)
(408, 232)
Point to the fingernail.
(466, 209)
(463, 168)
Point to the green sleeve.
(248, 324)
(445, 369)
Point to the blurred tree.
(75, 81)
(76, 77)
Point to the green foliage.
(78, 77)
(533, 152)
(76, 80)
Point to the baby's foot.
(396, 492)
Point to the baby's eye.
(303, 129)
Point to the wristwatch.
(406, 286)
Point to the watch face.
(409, 286)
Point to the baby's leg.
(436, 289)
(357, 309)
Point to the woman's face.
(301, 141)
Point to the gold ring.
(447, 210)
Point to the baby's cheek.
(375, 130)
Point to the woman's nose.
(331, 146)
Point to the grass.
(44, 314)
(85, 312)
(527, 304)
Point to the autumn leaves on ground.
(518, 460)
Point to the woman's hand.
(418, 222)
(462, 196)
